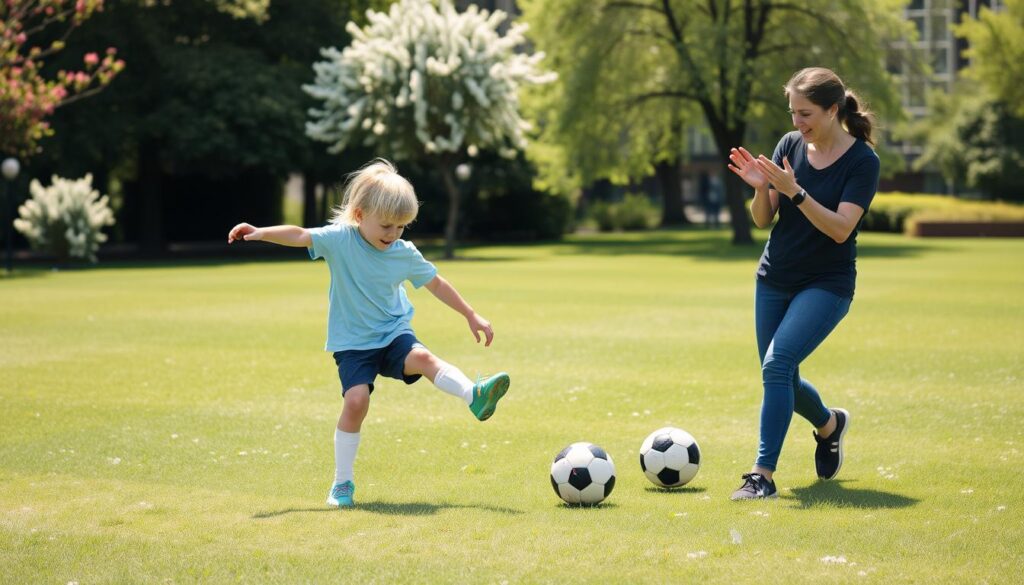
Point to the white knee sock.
(454, 382)
(345, 446)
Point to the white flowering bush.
(425, 79)
(65, 218)
(426, 82)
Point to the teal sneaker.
(341, 495)
(486, 395)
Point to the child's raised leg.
(482, 397)
(346, 443)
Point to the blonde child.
(369, 313)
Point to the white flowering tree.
(426, 82)
(65, 218)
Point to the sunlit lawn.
(174, 423)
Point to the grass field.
(173, 424)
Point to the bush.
(603, 214)
(897, 212)
(634, 212)
(65, 218)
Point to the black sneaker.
(755, 487)
(828, 457)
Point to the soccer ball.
(583, 474)
(669, 457)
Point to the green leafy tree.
(996, 52)
(975, 135)
(726, 60)
(592, 124)
(975, 141)
(426, 83)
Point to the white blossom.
(65, 218)
(417, 51)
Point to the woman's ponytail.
(859, 123)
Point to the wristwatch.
(799, 197)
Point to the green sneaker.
(486, 395)
(341, 495)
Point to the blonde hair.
(377, 189)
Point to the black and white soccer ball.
(670, 457)
(583, 473)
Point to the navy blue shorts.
(361, 366)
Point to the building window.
(940, 61)
(916, 93)
(940, 27)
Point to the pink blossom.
(91, 59)
(81, 77)
(21, 38)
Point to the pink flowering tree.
(27, 98)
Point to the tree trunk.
(151, 236)
(736, 198)
(735, 189)
(446, 165)
(670, 178)
(309, 214)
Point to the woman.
(819, 181)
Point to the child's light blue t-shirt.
(367, 304)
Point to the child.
(369, 313)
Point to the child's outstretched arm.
(285, 235)
(447, 294)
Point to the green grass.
(174, 424)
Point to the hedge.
(898, 212)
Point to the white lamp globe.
(10, 168)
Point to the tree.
(426, 83)
(31, 31)
(975, 135)
(209, 119)
(996, 52)
(602, 63)
(727, 59)
(975, 141)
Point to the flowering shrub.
(65, 218)
(426, 82)
(425, 79)
(26, 98)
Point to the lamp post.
(10, 169)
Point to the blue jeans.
(790, 325)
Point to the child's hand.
(244, 231)
(478, 324)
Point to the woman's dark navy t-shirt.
(798, 255)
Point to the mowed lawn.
(174, 424)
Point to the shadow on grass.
(22, 273)
(833, 493)
(673, 491)
(391, 509)
(599, 506)
(704, 245)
